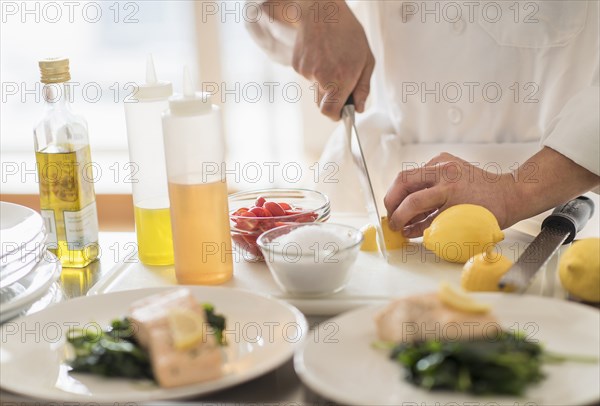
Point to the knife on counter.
(559, 228)
(348, 113)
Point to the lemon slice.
(393, 239)
(370, 238)
(459, 300)
(187, 328)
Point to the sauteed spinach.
(504, 365)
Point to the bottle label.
(81, 227)
(50, 224)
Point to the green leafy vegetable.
(504, 365)
(216, 321)
(113, 352)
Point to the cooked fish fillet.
(173, 367)
(422, 317)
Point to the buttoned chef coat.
(489, 81)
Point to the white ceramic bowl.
(314, 269)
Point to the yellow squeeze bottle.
(64, 164)
(148, 171)
(195, 152)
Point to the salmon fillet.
(424, 317)
(173, 367)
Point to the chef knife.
(358, 157)
(557, 229)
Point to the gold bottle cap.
(55, 70)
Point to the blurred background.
(269, 111)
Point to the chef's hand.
(545, 181)
(332, 50)
(418, 195)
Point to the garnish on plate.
(450, 341)
(168, 337)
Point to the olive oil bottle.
(65, 171)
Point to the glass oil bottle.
(65, 171)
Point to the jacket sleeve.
(575, 132)
(274, 37)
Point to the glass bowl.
(306, 206)
(316, 260)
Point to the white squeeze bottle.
(148, 171)
(195, 153)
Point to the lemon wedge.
(370, 238)
(393, 239)
(187, 328)
(459, 300)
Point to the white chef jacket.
(490, 82)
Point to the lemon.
(393, 239)
(483, 272)
(370, 238)
(187, 328)
(459, 300)
(460, 232)
(579, 269)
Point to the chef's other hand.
(419, 194)
(544, 181)
(332, 50)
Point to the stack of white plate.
(28, 272)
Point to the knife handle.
(350, 100)
(571, 216)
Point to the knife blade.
(559, 228)
(348, 116)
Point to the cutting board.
(410, 270)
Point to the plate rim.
(30, 210)
(186, 391)
(38, 293)
(301, 369)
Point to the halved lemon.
(187, 328)
(461, 301)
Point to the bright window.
(107, 43)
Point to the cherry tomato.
(260, 201)
(247, 224)
(239, 211)
(260, 212)
(266, 224)
(275, 209)
(248, 244)
(285, 206)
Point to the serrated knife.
(559, 228)
(348, 116)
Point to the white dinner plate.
(262, 334)
(19, 296)
(16, 266)
(18, 225)
(339, 363)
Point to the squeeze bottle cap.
(153, 89)
(191, 103)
